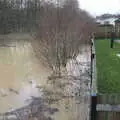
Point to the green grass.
(108, 67)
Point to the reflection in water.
(20, 73)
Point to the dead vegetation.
(64, 28)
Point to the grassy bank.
(108, 67)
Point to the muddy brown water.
(21, 72)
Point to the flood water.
(21, 72)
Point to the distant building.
(107, 21)
(117, 27)
(106, 26)
(104, 30)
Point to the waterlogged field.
(108, 66)
(23, 77)
(18, 72)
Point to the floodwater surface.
(20, 73)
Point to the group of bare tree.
(60, 24)
(19, 15)
(64, 28)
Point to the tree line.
(19, 15)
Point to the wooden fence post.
(93, 106)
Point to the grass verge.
(108, 67)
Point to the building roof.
(117, 21)
(108, 21)
(105, 25)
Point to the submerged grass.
(108, 66)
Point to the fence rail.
(93, 81)
(93, 69)
(108, 108)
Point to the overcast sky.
(97, 7)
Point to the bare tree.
(64, 27)
(19, 15)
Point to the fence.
(93, 69)
(93, 82)
(108, 107)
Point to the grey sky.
(97, 7)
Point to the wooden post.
(93, 106)
(92, 57)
